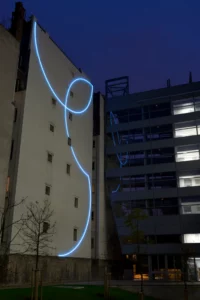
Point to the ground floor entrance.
(163, 267)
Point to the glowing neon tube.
(66, 108)
(122, 163)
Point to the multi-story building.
(51, 154)
(153, 168)
(9, 54)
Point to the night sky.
(148, 40)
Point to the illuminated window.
(198, 126)
(92, 243)
(189, 180)
(75, 234)
(190, 205)
(71, 94)
(191, 238)
(70, 116)
(51, 127)
(53, 101)
(76, 202)
(49, 157)
(187, 153)
(7, 184)
(183, 106)
(185, 129)
(68, 169)
(69, 141)
(93, 188)
(47, 190)
(45, 227)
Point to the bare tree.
(6, 225)
(39, 230)
(37, 235)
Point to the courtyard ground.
(67, 292)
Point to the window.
(7, 184)
(45, 227)
(75, 234)
(15, 116)
(187, 209)
(71, 94)
(51, 127)
(190, 205)
(11, 150)
(70, 116)
(183, 106)
(68, 169)
(17, 86)
(93, 144)
(92, 216)
(185, 129)
(92, 243)
(189, 180)
(49, 157)
(187, 153)
(191, 238)
(93, 188)
(47, 190)
(93, 165)
(53, 101)
(76, 202)
(69, 141)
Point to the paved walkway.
(133, 283)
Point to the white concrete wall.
(9, 50)
(34, 171)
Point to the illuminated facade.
(153, 165)
(52, 154)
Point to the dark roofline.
(78, 69)
(167, 91)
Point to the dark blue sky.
(148, 40)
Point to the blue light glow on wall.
(119, 156)
(66, 108)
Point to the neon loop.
(66, 108)
(121, 162)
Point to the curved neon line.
(114, 143)
(49, 84)
(66, 108)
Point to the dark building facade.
(153, 167)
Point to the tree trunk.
(36, 283)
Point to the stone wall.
(54, 269)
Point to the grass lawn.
(63, 293)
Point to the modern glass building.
(153, 167)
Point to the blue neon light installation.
(119, 156)
(66, 108)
